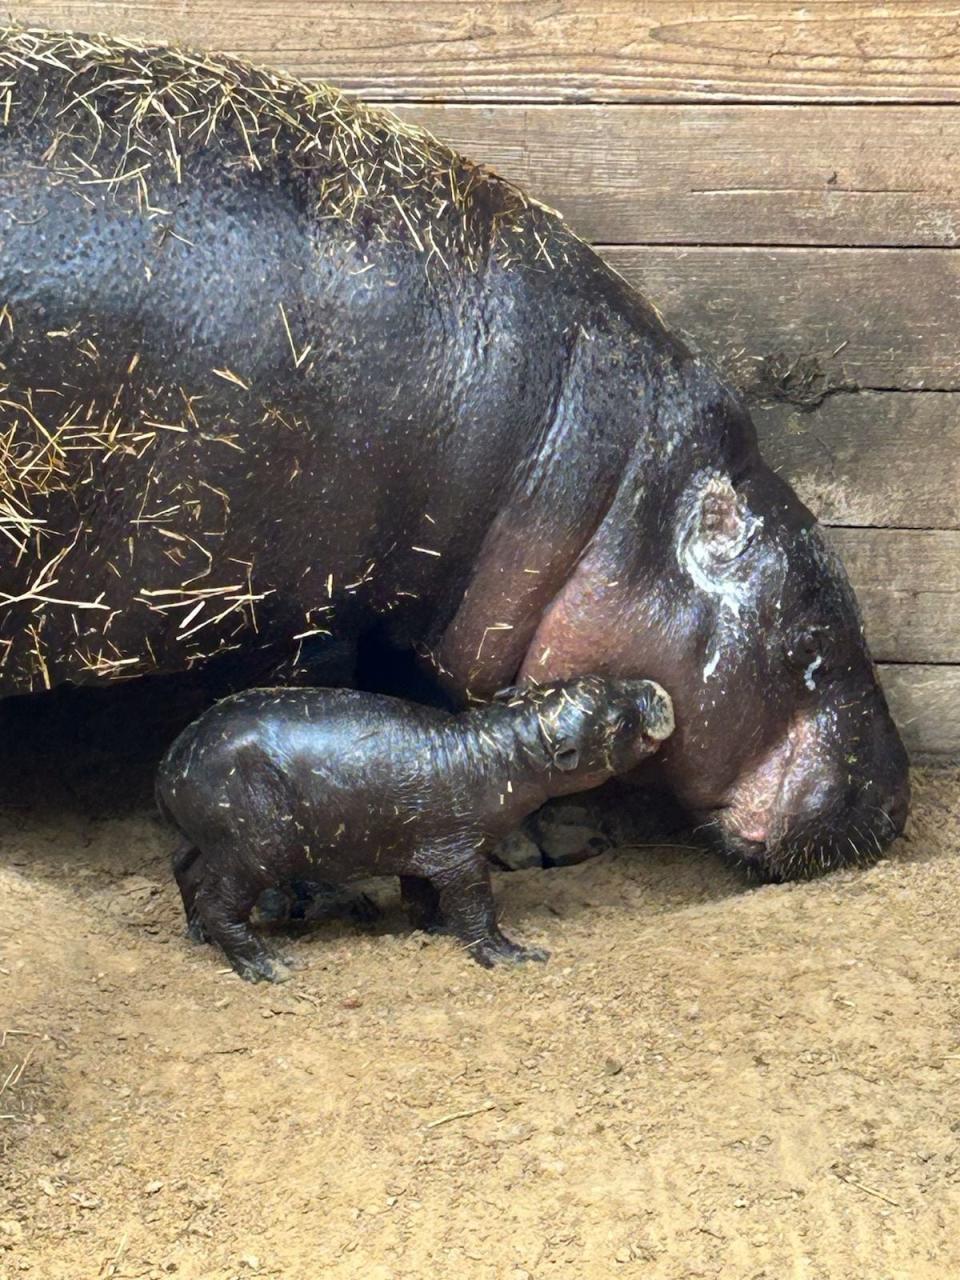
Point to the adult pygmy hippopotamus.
(282, 370)
(277, 783)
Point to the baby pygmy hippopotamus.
(273, 785)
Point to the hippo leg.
(421, 902)
(223, 905)
(468, 912)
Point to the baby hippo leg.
(467, 910)
(187, 868)
(222, 905)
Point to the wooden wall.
(782, 180)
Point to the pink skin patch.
(751, 807)
(518, 575)
(562, 646)
(773, 788)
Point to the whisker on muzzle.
(799, 854)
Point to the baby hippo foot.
(274, 906)
(195, 932)
(262, 967)
(465, 905)
(498, 949)
(224, 918)
(330, 902)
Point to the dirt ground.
(707, 1079)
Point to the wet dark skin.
(277, 784)
(285, 378)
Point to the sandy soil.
(707, 1079)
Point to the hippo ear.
(723, 529)
(566, 756)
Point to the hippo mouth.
(800, 851)
(794, 817)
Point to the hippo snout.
(810, 806)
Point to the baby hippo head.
(591, 728)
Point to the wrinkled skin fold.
(286, 379)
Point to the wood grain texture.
(908, 585)
(592, 50)
(886, 318)
(873, 458)
(722, 175)
(925, 702)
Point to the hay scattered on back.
(121, 114)
(131, 128)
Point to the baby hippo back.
(312, 769)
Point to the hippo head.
(710, 576)
(788, 752)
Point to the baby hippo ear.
(565, 755)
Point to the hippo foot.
(275, 907)
(495, 951)
(421, 902)
(360, 909)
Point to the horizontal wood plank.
(908, 585)
(882, 458)
(723, 175)
(595, 50)
(885, 318)
(925, 702)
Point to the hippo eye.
(805, 653)
(805, 648)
